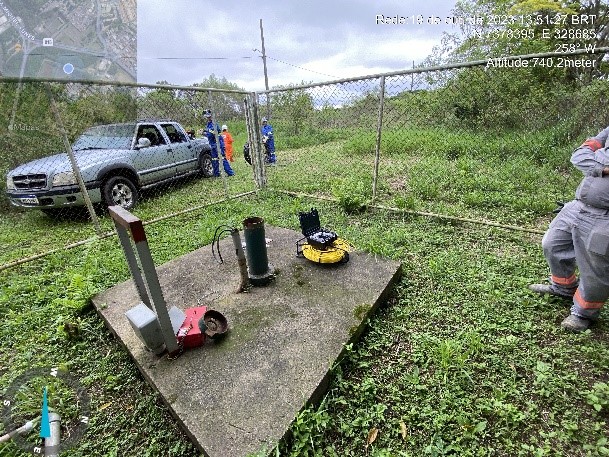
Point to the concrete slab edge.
(317, 395)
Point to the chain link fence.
(149, 149)
(488, 140)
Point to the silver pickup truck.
(116, 161)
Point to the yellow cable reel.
(332, 254)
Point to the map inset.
(69, 39)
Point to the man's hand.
(597, 142)
(602, 137)
(605, 171)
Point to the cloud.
(312, 40)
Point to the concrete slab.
(233, 397)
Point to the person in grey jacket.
(579, 238)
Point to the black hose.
(216, 240)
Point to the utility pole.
(266, 77)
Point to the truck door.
(155, 162)
(184, 153)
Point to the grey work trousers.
(579, 238)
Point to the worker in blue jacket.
(210, 131)
(268, 140)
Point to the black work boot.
(575, 323)
(547, 289)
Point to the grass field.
(462, 361)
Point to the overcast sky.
(332, 38)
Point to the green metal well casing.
(255, 246)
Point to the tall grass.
(542, 147)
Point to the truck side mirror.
(143, 142)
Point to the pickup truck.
(116, 161)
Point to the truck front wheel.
(205, 165)
(120, 191)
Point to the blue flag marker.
(45, 425)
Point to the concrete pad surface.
(235, 396)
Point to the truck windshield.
(106, 137)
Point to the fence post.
(253, 133)
(75, 168)
(379, 129)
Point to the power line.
(189, 58)
(302, 68)
(196, 58)
(147, 58)
(296, 66)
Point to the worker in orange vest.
(228, 143)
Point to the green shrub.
(598, 397)
(352, 194)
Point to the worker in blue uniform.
(210, 131)
(268, 140)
